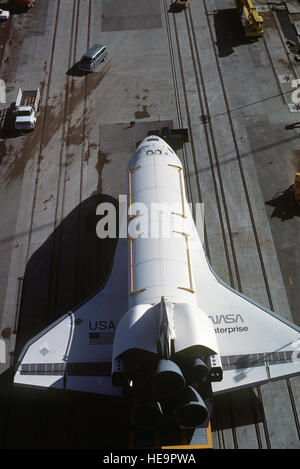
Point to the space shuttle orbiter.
(165, 332)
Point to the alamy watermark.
(152, 220)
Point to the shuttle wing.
(75, 352)
(255, 344)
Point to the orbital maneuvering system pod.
(165, 333)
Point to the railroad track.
(58, 192)
(10, 397)
(191, 166)
(216, 173)
(251, 214)
(176, 86)
(63, 180)
(292, 65)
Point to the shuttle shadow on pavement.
(63, 272)
(7, 123)
(72, 265)
(238, 408)
(57, 280)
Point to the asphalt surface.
(194, 70)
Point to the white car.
(4, 15)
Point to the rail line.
(55, 260)
(204, 106)
(238, 157)
(57, 237)
(39, 157)
(84, 138)
(56, 240)
(223, 197)
(291, 66)
(211, 148)
(53, 274)
(56, 249)
(8, 26)
(178, 106)
(251, 214)
(177, 100)
(44, 123)
(56, 253)
(63, 176)
(272, 15)
(282, 95)
(214, 162)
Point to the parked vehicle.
(253, 23)
(4, 15)
(93, 57)
(27, 107)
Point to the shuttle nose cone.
(153, 140)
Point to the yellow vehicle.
(297, 188)
(252, 21)
(180, 4)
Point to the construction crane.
(297, 188)
(251, 20)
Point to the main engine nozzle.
(147, 415)
(168, 380)
(192, 411)
(199, 370)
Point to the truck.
(26, 109)
(253, 23)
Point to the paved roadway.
(183, 70)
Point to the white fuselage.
(163, 251)
(159, 227)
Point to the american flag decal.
(101, 338)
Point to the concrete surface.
(162, 69)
